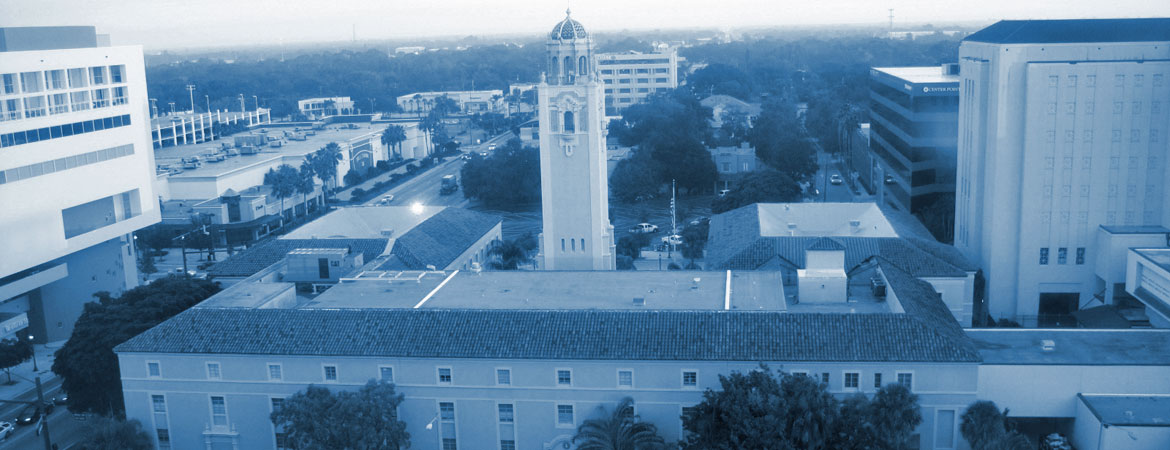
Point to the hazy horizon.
(218, 23)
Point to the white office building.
(76, 168)
(1062, 130)
(317, 108)
(630, 77)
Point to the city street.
(830, 192)
(64, 429)
(424, 188)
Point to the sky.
(174, 24)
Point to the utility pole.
(891, 19)
(172, 107)
(191, 92)
(154, 107)
(242, 109)
(44, 417)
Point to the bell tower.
(574, 183)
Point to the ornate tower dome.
(568, 29)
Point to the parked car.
(491, 147)
(699, 221)
(890, 179)
(836, 179)
(673, 239)
(644, 228)
(386, 199)
(62, 399)
(6, 430)
(29, 415)
(724, 192)
(466, 156)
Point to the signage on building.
(14, 324)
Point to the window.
(565, 416)
(9, 83)
(274, 372)
(624, 81)
(117, 74)
(625, 378)
(643, 80)
(30, 82)
(1044, 256)
(690, 378)
(79, 100)
(444, 375)
(852, 380)
(119, 95)
(386, 373)
(507, 444)
(213, 371)
(97, 75)
(877, 380)
(503, 377)
(642, 71)
(1080, 256)
(330, 373)
(564, 377)
(55, 79)
(449, 444)
(164, 438)
(506, 413)
(906, 379)
(944, 424)
(660, 80)
(447, 411)
(153, 370)
(825, 377)
(101, 98)
(218, 411)
(158, 403)
(1062, 255)
(276, 403)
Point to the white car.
(6, 429)
(386, 199)
(724, 192)
(644, 228)
(673, 239)
(836, 179)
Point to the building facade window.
(852, 380)
(449, 444)
(330, 373)
(1062, 255)
(219, 416)
(877, 380)
(153, 369)
(690, 378)
(564, 377)
(906, 379)
(506, 413)
(565, 416)
(504, 377)
(825, 378)
(445, 375)
(447, 411)
(275, 372)
(386, 373)
(625, 378)
(1080, 256)
(1044, 256)
(158, 404)
(213, 372)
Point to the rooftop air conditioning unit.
(639, 301)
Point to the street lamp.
(34, 355)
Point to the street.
(424, 188)
(64, 430)
(830, 192)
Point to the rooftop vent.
(639, 301)
(1048, 345)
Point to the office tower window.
(1062, 255)
(1044, 256)
(1080, 256)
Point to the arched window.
(570, 127)
(581, 69)
(568, 69)
(562, 245)
(582, 244)
(573, 243)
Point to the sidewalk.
(22, 375)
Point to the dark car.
(29, 415)
(62, 399)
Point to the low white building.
(317, 108)
(470, 102)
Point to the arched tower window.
(581, 69)
(570, 127)
(568, 69)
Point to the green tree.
(153, 239)
(810, 412)
(747, 412)
(87, 364)
(694, 241)
(305, 184)
(720, 79)
(634, 178)
(283, 181)
(761, 186)
(13, 352)
(106, 433)
(781, 142)
(894, 414)
(325, 162)
(854, 430)
(513, 253)
(357, 420)
(507, 178)
(618, 430)
(982, 425)
(393, 137)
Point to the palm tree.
(324, 163)
(510, 255)
(394, 136)
(418, 103)
(305, 183)
(620, 430)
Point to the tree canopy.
(106, 433)
(986, 428)
(512, 253)
(618, 429)
(775, 410)
(762, 186)
(87, 364)
(781, 142)
(507, 178)
(357, 420)
(12, 353)
(671, 132)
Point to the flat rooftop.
(920, 74)
(1159, 256)
(333, 133)
(165, 121)
(1129, 410)
(364, 222)
(824, 219)
(1023, 346)
(1135, 229)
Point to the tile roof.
(546, 334)
(1073, 31)
(735, 243)
(442, 238)
(920, 301)
(825, 243)
(255, 259)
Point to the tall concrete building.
(1062, 129)
(630, 77)
(76, 168)
(574, 183)
(914, 121)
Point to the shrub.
(357, 193)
